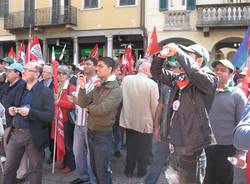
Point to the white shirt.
(81, 118)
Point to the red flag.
(54, 71)
(60, 151)
(153, 46)
(35, 50)
(94, 52)
(11, 53)
(127, 61)
(20, 58)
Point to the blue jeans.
(100, 147)
(117, 138)
(80, 148)
(160, 155)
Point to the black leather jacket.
(195, 102)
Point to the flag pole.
(29, 43)
(62, 53)
(55, 142)
(56, 111)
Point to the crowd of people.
(176, 112)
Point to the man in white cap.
(226, 112)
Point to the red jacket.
(65, 104)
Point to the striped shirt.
(81, 118)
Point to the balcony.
(41, 17)
(223, 15)
(177, 20)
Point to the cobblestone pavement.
(118, 176)
(118, 165)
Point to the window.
(4, 8)
(91, 3)
(233, 1)
(191, 4)
(126, 2)
(163, 5)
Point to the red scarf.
(182, 84)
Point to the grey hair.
(63, 69)
(48, 67)
(38, 67)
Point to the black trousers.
(51, 142)
(69, 159)
(138, 151)
(219, 170)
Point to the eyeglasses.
(28, 70)
(60, 73)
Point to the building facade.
(219, 25)
(79, 24)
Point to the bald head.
(145, 68)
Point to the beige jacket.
(140, 98)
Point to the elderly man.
(140, 99)
(32, 111)
(47, 80)
(47, 76)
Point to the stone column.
(17, 46)
(109, 45)
(76, 51)
(45, 48)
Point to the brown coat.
(102, 104)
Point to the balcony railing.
(223, 15)
(41, 17)
(177, 20)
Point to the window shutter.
(191, 4)
(163, 5)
